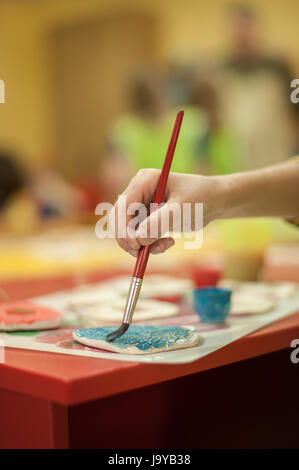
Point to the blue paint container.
(212, 304)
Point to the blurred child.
(140, 138)
(216, 148)
(27, 198)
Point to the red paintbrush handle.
(141, 262)
(145, 250)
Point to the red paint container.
(204, 276)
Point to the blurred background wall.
(44, 44)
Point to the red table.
(244, 395)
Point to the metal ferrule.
(132, 298)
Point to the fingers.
(119, 230)
(150, 232)
(129, 245)
(143, 186)
(160, 246)
(157, 224)
(137, 195)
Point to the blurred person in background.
(137, 138)
(256, 93)
(217, 149)
(11, 178)
(18, 209)
(194, 84)
(28, 197)
(178, 82)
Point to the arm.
(271, 192)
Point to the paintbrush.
(137, 278)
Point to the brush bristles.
(117, 333)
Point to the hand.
(268, 192)
(181, 188)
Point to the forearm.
(269, 192)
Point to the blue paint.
(142, 337)
(212, 304)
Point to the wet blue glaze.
(142, 337)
